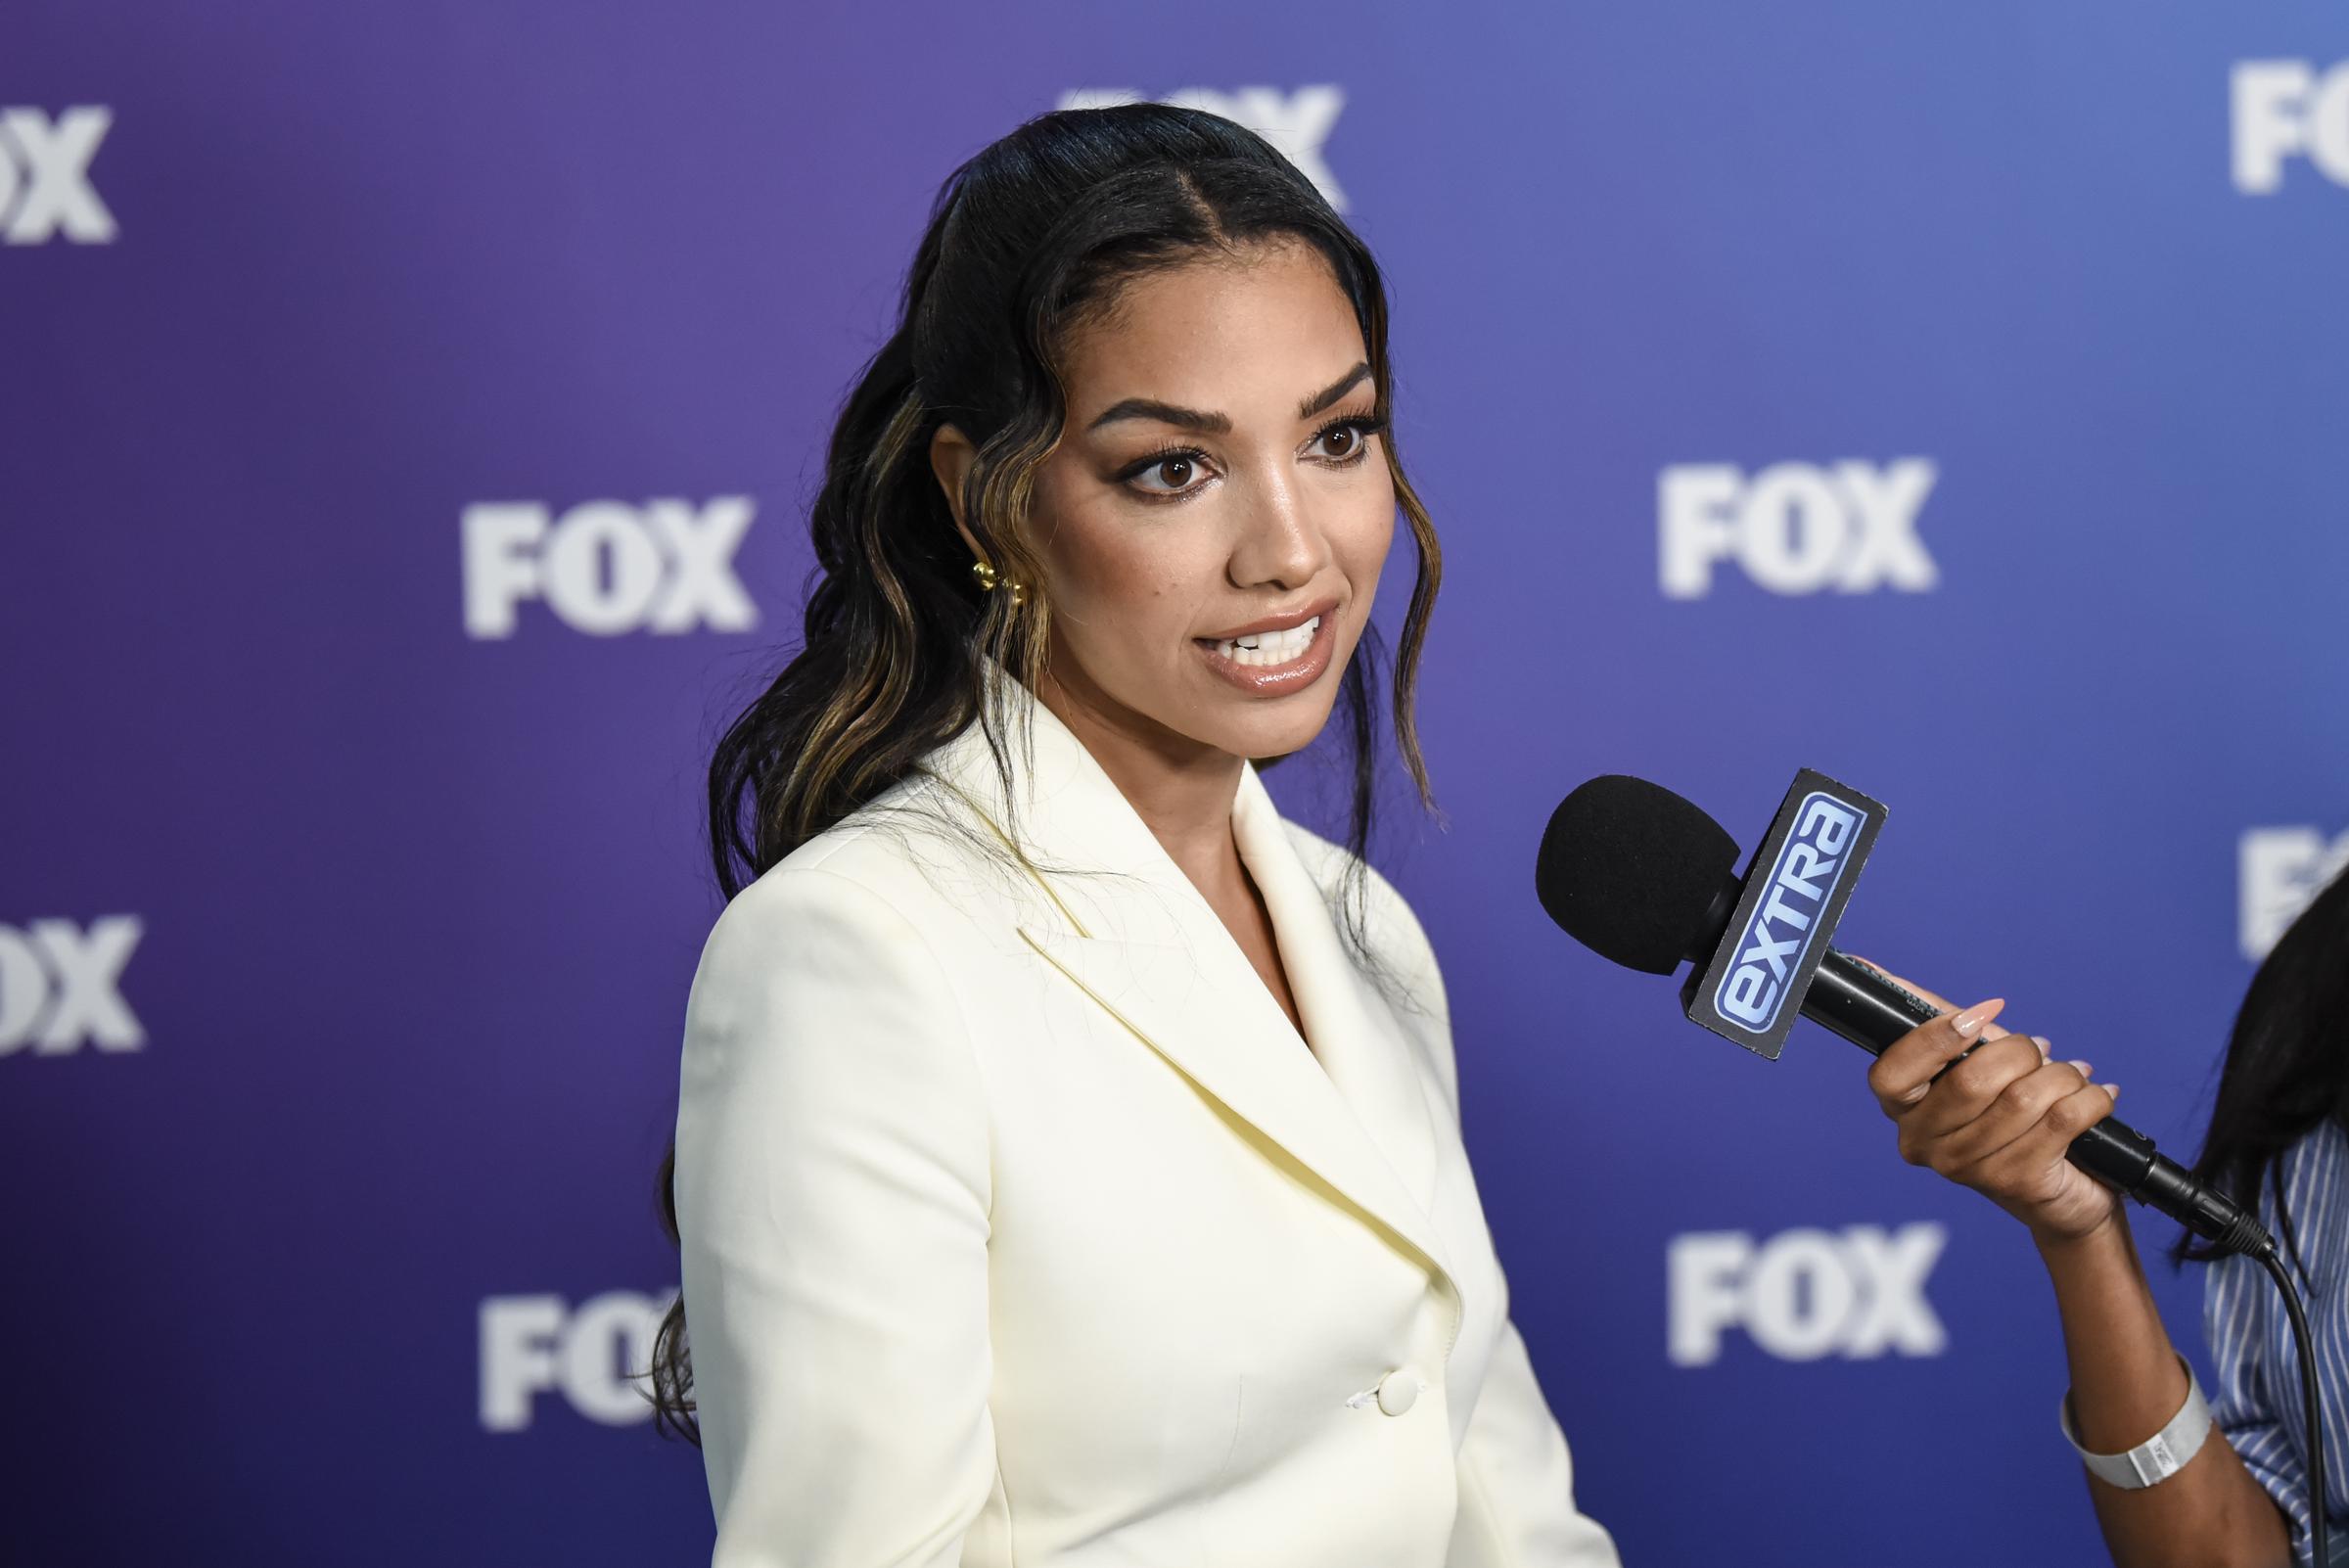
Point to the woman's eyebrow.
(1221, 423)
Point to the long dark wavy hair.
(2287, 1064)
(1026, 242)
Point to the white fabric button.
(1399, 1391)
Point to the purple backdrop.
(1947, 399)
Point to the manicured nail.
(2082, 1068)
(1970, 1023)
(2113, 1089)
(2041, 1040)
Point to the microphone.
(1645, 879)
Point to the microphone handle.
(1850, 998)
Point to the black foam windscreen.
(1631, 870)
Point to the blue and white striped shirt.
(2257, 1403)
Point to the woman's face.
(1214, 520)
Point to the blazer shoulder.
(836, 944)
(916, 852)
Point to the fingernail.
(2041, 1040)
(2082, 1068)
(1970, 1023)
(2113, 1089)
(1911, 1096)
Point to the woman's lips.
(1279, 662)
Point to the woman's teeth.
(1269, 647)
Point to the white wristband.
(2159, 1456)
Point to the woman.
(2000, 1122)
(1067, 1165)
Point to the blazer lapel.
(1127, 927)
(1351, 1025)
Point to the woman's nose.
(1280, 543)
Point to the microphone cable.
(2317, 1543)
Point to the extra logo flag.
(1801, 876)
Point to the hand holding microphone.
(1990, 1110)
(1645, 878)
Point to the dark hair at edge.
(1026, 241)
(2288, 1065)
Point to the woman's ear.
(951, 455)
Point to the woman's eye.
(1351, 436)
(1176, 471)
(1180, 472)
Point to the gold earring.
(989, 579)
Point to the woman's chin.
(1263, 735)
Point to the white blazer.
(1021, 1227)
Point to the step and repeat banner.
(407, 417)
